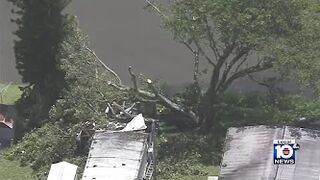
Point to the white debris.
(62, 171)
(107, 110)
(137, 123)
(212, 177)
(302, 119)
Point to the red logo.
(286, 151)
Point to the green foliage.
(81, 106)
(236, 110)
(40, 32)
(299, 55)
(226, 32)
(190, 98)
(250, 22)
(183, 155)
(87, 92)
(244, 110)
(188, 155)
(302, 107)
(39, 36)
(44, 146)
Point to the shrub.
(185, 154)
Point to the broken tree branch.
(104, 65)
(171, 105)
(196, 68)
(157, 9)
(111, 109)
(154, 96)
(133, 79)
(117, 106)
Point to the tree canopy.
(39, 36)
(80, 107)
(299, 55)
(236, 38)
(225, 33)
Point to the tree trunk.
(206, 112)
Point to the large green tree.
(236, 38)
(39, 35)
(81, 107)
(300, 56)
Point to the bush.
(44, 146)
(185, 154)
(258, 109)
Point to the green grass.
(11, 170)
(213, 171)
(12, 94)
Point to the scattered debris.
(137, 123)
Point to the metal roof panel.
(115, 155)
(248, 154)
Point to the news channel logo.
(284, 151)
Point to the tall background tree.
(225, 33)
(39, 35)
(302, 59)
(81, 107)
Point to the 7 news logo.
(284, 151)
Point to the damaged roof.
(248, 154)
(5, 123)
(115, 155)
(7, 113)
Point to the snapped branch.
(196, 68)
(133, 79)
(157, 9)
(104, 65)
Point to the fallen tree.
(153, 96)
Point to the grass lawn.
(214, 171)
(11, 170)
(12, 94)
